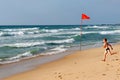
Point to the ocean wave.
(76, 28)
(59, 30)
(1, 33)
(37, 31)
(101, 32)
(7, 62)
(110, 32)
(18, 32)
(26, 54)
(31, 44)
(49, 35)
(61, 41)
(29, 54)
(17, 58)
(89, 32)
(20, 45)
(19, 29)
(56, 50)
(51, 31)
(11, 33)
(97, 27)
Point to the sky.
(58, 12)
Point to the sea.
(19, 42)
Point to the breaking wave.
(97, 27)
(55, 50)
(110, 32)
(30, 44)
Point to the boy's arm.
(111, 46)
(104, 45)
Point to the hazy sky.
(53, 12)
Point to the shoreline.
(43, 59)
(70, 63)
(70, 49)
(29, 64)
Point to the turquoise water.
(17, 42)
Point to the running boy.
(107, 47)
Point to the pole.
(81, 34)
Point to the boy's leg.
(105, 55)
(110, 52)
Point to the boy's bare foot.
(103, 60)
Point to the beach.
(80, 65)
(52, 52)
(59, 40)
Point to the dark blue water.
(17, 42)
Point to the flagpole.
(83, 17)
(81, 34)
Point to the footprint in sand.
(57, 73)
(108, 64)
(104, 74)
(75, 62)
(118, 71)
(77, 77)
(116, 59)
(83, 72)
(60, 76)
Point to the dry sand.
(81, 65)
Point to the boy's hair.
(105, 39)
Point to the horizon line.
(55, 24)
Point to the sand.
(81, 65)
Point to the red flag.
(85, 17)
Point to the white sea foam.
(51, 31)
(109, 32)
(17, 58)
(19, 29)
(1, 33)
(48, 34)
(35, 32)
(0, 59)
(98, 27)
(59, 30)
(76, 28)
(30, 44)
(17, 33)
(7, 62)
(26, 54)
(89, 32)
(103, 32)
(27, 44)
(61, 41)
(56, 50)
